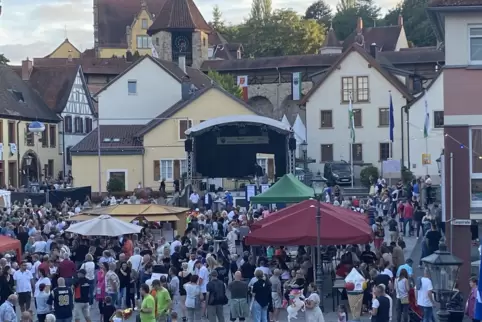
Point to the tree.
(321, 12)
(346, 17)
(261, 10)
(226, 82)
(218, 22)
(3, 60)
(344, 5)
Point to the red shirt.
(408, 212)
(45, 267)
(66, 269)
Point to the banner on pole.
(296, 86)
(243, 83)
(426, 159)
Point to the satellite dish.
(36, 127)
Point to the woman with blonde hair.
(89, 267)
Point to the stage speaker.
(188, 145)
(292, 144)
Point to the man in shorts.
(24, 284)
(81, 297)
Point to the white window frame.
(131, 81)
(143, 45)
(171, 178)
(179, 127)
(469, 44)
(473, 175)
(109, 171)
(433, 115)
(146, 26)
(263, 163)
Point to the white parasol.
(104, 225)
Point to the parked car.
(337, 173)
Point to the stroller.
(415, 313)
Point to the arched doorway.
(31, 169)
(262, 105)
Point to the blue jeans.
(407, 222)
(428, 314)
(91, 291)
(260, 314)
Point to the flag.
(478, 303)
(426, 125)
(242, 82)
(392, 122)
(296, 86)
(154, 52)
(351, 120)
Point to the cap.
(197, 209)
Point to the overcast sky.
(34, 28)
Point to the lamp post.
(28, 162)
(317, 184)
(444, 270)
(304, 151)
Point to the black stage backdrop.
(55, 197)
(236, 161)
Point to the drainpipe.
(18, 154)
(143, 170)
(408, 138)
(402, 125)
(64, 156)
(277, 89)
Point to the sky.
(34, 28)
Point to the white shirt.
(40, 246)
(264, 269)
(43, 280)
(422, 294)
(89, 269)
(174, 244)
(194, 197)
(190, 266)
(388, 272)
(136, 262)
(428, 182)
(23, 281)
(231, 215)
(376, 305)
(192, 291)
(203, 273)
(206, 198)
(34, 268)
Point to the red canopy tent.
(304, 205)
(339, 226)
(8, 244)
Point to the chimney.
(27, 66)
(359, 25)
(373, 50)
(186, 88)
(400, 20)
(182, 63)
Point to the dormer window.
(17, 95)
(144, 24)
(238, 54)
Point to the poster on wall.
(250, 191)
(264, 187)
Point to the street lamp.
(28, 162)
(444, 270)
(317, 184)
(439, 163)
(304, 151)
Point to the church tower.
(331, 45)
(180, 30)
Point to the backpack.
(380, 233)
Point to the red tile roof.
(179, 15)
(331, 40)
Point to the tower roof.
(331, 40)
(179, 15)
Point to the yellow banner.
(426, 159)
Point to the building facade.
(356, 76)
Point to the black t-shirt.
(262, 292)
(247, 270)
(62, 300)
(433, 237)
(82, 287)
(175, 257)
(217, 292)
(108, 311)
(392, 225)
(418, 215)
(382, 279)
(146, 252)
(368, 257)
(80, 253)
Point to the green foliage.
(218, 22)
(226, 81)
(368, 175)
(348, 12)
(407, 175)
(321, 12)
(115, 185)
(3, 60)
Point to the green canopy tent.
(287, 190)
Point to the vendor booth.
(10, 244)
(287, 190)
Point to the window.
(68, 124)
(144, 24)
(183, 126)
(53, 136)
(183, 167)
(157, 41)
(79, 125)
(362, 90)
(143, 42)
(11, 132)
(68, 157)
(476, 148)
(45, 139)
(357, 117)
(438, 119)
(346, 88)
(132, 87)
(326, 119)
(384, 151)
(263, 163)
(167, 170)
(476, 189)
(357, 152)
(50, 168)
(2, 174)
(383, 117)
(475, 40)
(326, 152)
(29, 136)
(12, 173)
(88, 125)
(1, 131)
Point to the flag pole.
(351, 121)
(426, 129)
(351, 165)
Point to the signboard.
(426, 159)
(264, 187)
(391, 167)
(461, 222)
(250, 191)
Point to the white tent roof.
(300, 129)
(224, 120)
(104, 225)
(285, 121)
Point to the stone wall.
(199, 48)
(164, 49)
(275, 100)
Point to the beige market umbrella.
(104, 225)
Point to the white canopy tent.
(299, 129)
(5, 198)
(104, 225)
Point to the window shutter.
(182, 129)
(270, 169)
(157, 170)
(177, 170)
(81, 125)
